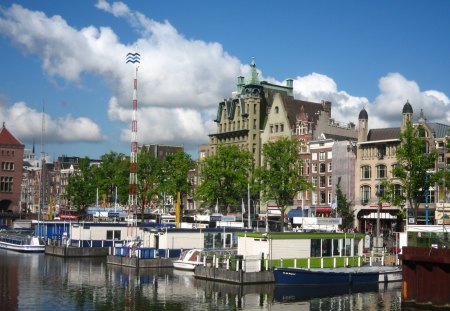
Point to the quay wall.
(426, 276)
(65, 251)
(135, 262)
(237, 277)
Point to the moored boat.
(23, 242)
(188, 260)
(337, 276)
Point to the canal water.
(42, 282)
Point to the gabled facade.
(11, 161)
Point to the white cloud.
(176, 75)
(395, 90)
(26, 123)
(180, 80)
(316, 87)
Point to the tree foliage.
(176, 168)
(415, 162)
(155, 177)
(81, 185)
(279, 176)
(343, 208)
(224, 177)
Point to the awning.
(295, 213)
(324, 210)
(374, 215)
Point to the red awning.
(325, 210)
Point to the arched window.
(365, 172)
(277, 109)
(381, 171)
(365, 194)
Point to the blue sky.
(69, 57)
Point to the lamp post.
(378, 194)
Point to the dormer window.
(277, 109)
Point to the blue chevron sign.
(133, 58)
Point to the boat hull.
(182, 265)
(21, 242)
(339, 276)
(23, 248)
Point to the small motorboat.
(189, 259)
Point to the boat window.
(326, 247)
(315, 247)
(335, 247)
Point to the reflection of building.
(11, 159)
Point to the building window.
(276, 128)
(314, 181)
(307, 167)
(271, 129)
(330, 167)
(113, 235)
(397, 190)
(365, 172)
(381, 171)
(322, 181)
(314, 156)
(6, 184)
(322, 167)
(314, 167)
(277, 109)
(381, 151)
(8, 166)
(322, 197)
(322, 156)
(329, 155)
(314, 198)
(393, 169)
(330, 181)
(365, 194)
(281, 127)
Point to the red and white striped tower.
(132, 187)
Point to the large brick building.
(11, 159)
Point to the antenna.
(43, 179)
(134, 58)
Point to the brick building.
(11, 159)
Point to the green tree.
(442, 177)
(343, 208)
(224, 177)
(415, 162)
(112, 173)
(279, 176)
(81, 185)
(176, 168)
(150, 176)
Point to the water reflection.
(40, 282)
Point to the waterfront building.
(259, 112)
(375, 159)
(11, 159)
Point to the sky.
(65, 86)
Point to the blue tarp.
(295, 213)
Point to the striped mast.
(133, 58)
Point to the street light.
(378, 194)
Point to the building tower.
(132, 187)
(407, 115)
(363, 126)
